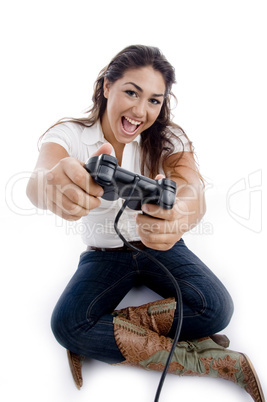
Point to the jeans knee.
(229, 310)
(223, 312)
(60, 325)
(70, 328)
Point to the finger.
(94, 188)
(104, 149)
(71, 208)
(67, 206)
(79, 197)
(70, 190)
(158, 212)
(58, 211)
(147, 224)
(157, 226)
(159, 176)
(79, 176)
(76, 173)
(159, 242)
(68, 170)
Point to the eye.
(155, 101)
(131, 93)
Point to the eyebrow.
(140, 89)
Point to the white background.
(51, 52)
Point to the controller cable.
(171, 277)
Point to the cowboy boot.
(157, 316)
(203, 357)
(75, 363)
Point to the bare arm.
(61, 184)
(190, 189)
(165, 227)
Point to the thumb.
(159, 176)
(104, 149)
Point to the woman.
(130, 119)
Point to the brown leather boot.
(156, 316)
(203, 357)
(75, 363)
(221, 340)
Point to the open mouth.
(130, 126)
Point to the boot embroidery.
(145, 348)
(225, 368)
(160, 308)
(135, 343)
(173, 368)
(251, 381)
(131, 327)
(206, 362)
(156, 316)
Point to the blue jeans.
(82, 320)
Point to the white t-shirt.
(81, 142)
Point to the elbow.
(202, 206)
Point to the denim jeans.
(82, 320)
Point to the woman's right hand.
(70, 192)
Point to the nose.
(139, 109)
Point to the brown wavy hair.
(156, 142)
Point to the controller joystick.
(117, 183)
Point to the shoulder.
(62, 130)
(76, 129)
(73, 136)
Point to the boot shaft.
(156, 316)
(203, 357)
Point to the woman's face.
(133, 104)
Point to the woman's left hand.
(163, 227)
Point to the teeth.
(136, 123)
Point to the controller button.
(169, 183)
(109, 159)
(167, 199)
(105, 173)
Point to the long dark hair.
(156, 142)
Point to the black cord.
(171, 277)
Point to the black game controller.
(118, 182)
